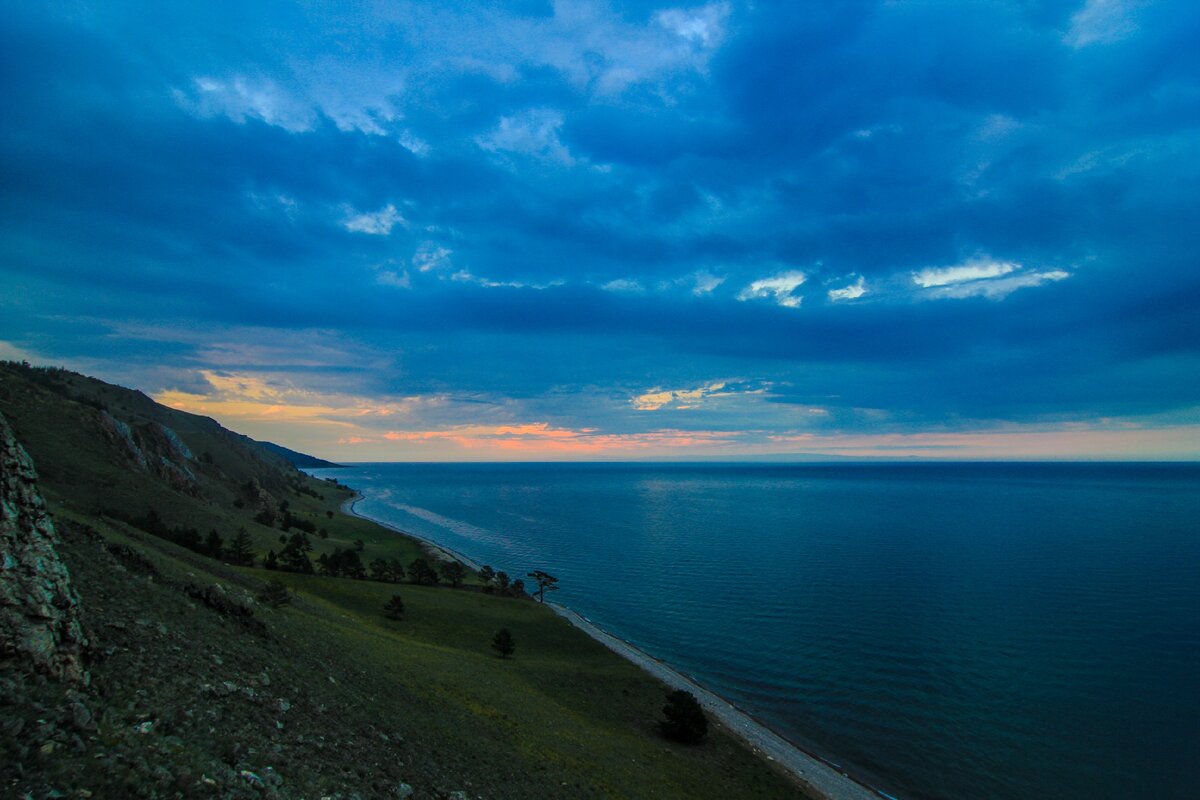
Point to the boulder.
(40, 626)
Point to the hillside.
(198, 687)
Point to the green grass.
(564, 705)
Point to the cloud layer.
(921, 218)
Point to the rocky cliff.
(39, 609)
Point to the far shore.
(816, 775)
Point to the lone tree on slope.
(214, 545)
(275, 594)
(240, 551)
(503, 643)
(394, 608)
(685, 720)
(545, 582)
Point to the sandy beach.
(816, 775)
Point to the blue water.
(1009, 631)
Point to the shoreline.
(436, 550)
(816, 774)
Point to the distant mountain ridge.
(296, 459)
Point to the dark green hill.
(200, 687)
(98, 445)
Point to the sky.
(523, 230)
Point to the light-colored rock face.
(39, 610)
(153, 448)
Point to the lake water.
(1005, 631)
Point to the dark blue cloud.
(580, 201)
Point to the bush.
(685, 720)
(394, 608)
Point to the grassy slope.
(373, 702)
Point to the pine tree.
(350, 565)
(239, 551)
(394, 608)
(546, 583)
(275, 594)
(271, 561)
(214, 545)
(503, 643)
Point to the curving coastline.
(439, 551)
(816, 775)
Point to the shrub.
(685, 720)
(394, 608)
(275, 594)
(503, 643)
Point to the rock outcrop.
(39, 610)
(154, 448)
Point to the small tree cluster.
(289, 521)
(294, 556)
(500, 583)
(343, 563)
(421, 573)
(300, 488)
(211, 545)
(453, 573)
(387, 571)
